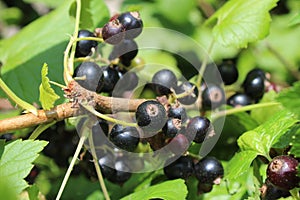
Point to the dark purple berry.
(126, 138)
(83, 47)
(182, 168)
(90, 76)
(178, 144)
(151, 116)
(113, 32)
(208, 170)
(198, 129)
(132, 23)
(228, 72)
(178, 113)
(172, 127)
(163, 81)
(282, 172)
(190, 89)
(110, 78)
(213, 96)
(126, 51)
(254, 84)
(270, 192)
(239, 99)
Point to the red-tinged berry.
(113, 32)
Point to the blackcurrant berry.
(213, 96)
(121, 174)
(90, 76)
(128, 80)
(163, 81)
(178, 144)
(178, 113)
(151, 116)
(126, 138)
(282, 172)
(113, 32)
(182, 168)
(132, 23)
(172, 127)
(190, 89)
(198, 128)
(270, 192)
(83, 47)
(110, 78)
(208, 170)
(239, 99)
(228, 72)
(254, 84)
(126, 51)
(107, 164)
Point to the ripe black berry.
(110, 78)
(132, 23)
(126, 138)
(228, 72)
(208, 170)
(107, 163)
(128, 80)
(113, 32)
(90, 76)
(239, 99)
(182, 168)
(178, 113)
(198, 128)
(254, 84)
(189, 98)
(163, 81)
(178, 144)
(213, 96)
(282, 172)
(126, 51)
(83, 47)
(151, 116)
(121, 174)
(172, 127)
(270, 192)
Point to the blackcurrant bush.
(126, 51)
(190, 89)
(178, 113)
(282, 172)
(254, 84)
(182, 168)
(208, 170)
(228, 72)
(83, 47)
(110, 78)
(90, 76)
(151, 116)
(198, 128)
(163, 81)
(213, 96)
(239, 99)
(126, 138)
(113, 32)
(132, 23)
(172, 127)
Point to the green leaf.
(47, 94)
(171, 190)
(33, 192)
(48, 3)
(295, 20)
(267, 134)
(295, 150)
(16, 162)
(290, 98)
(240, 22)
(239, 164)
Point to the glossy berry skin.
(254, 84)
(163, 81)
(228, 72)
(182, 168)
(172, 127)
(83, 47)
(126, 51)
(239, 99)
(110, 78)
(113, 32)
(121, 172)
(282, 172)
(208, 170)
(151, 116)
(126, 138)
(93, 73)
(132, 23)
(186, 87)
(198, 128)
(270, 192)
(107, 163)
(178, 113)
(213, 96)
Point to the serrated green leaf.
(16, 162)
(33, 192)
(171, 190)
(267, 134)
(2, 144)
(239, 164)
(239, 22)
(287, 138)
(290, 98)
(47, 94)
(295, 150)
